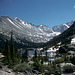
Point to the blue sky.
(46, 12)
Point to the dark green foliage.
(62, 50)
(64, 38)
(46, 58)
(35, 54)
(57, 72)
(1, 50)
(18, 45)
(19, 58)
(56, 69)
(10, 53)
(46, 69)
(51, 69)
(36, 64)
(2, 42)
(23, 67)
(68, 68)
(35, 58)
(13, 51)
(7, 53)
(16, 52)
(25, 56)
(72, 59)
(40, 55)
(67, 59)
(42, 60)
(61, 60)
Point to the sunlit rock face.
(26, 31)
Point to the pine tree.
(19, 58)
(39, 56)
(35, 53)
(7, 53)
(12, 50)
(42, 60)
(16, 52)
(46, 56)
(35, 56)
(25, 56)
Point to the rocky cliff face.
(24, 32)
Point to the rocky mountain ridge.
(65, 38)
(28, 32)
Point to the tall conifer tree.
(12, 49)
(25, 56)
(35, 53)
(7, 53)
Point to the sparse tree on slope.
(12, 50)
(35, 53)
(25, 56)
(7, 53)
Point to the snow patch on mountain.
(11, 21)
(61, 28)
(24, 30)
(66, 25)
(73, 40)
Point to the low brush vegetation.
(23, 67)
(69, 68)
(20, 62)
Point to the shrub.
(72, 60)
(68, 68)
(23, 67)
(57, 72)
(61, 60)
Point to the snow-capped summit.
(62, 27)
(27, 31)
(17, 19)
(45, 28)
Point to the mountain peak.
(18, 19)
(27, 31)
(40, 25)
(5, 17)
(61, 28)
